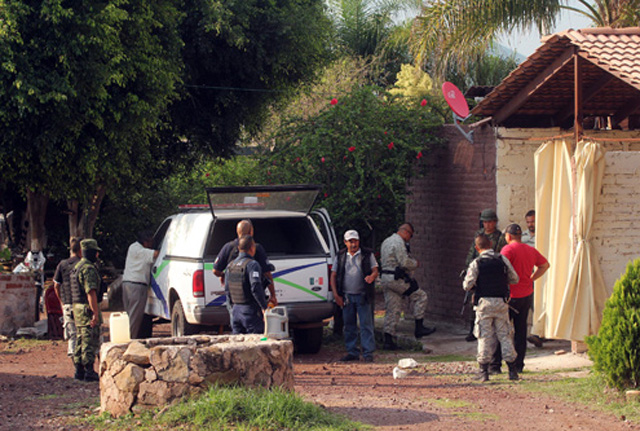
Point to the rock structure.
(155, 372)
(18, 304)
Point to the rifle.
(468, 295)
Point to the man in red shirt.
(524, 259)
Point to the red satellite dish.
(455, 99)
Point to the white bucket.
(276, 323)
(119, 327)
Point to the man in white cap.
(353, 276)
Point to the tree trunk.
(82, 219)
(36, 215)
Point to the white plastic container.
(119, 327)
(276, 323)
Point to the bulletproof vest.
(78, 294)
(65, 269)
(239, 287)
(492, 279)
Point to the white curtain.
(553, 233)
(585, 293)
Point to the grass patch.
(451, 358)
(49, 397)
(447, 403)
(590, 391)
(23, 345)
(237, 409)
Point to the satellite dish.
(458, 104)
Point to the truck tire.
(179, 325)
(308, 340)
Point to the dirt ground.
(37, 390)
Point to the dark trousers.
(518, 312)
(247, 319)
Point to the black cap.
(513, 229)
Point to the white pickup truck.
(300, 244)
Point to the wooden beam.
(626, 110)
(577, 99)
(588, 94)
(519, 99)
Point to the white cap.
(351, 234)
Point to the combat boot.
(89, 374)
(389, 344)
(513, 371)
(483, 376)
(79, 374)
(421, 330)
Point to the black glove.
(413, 286)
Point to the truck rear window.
(284, 236)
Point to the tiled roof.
(544, 84)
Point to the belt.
(136, 282)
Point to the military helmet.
(488, 215)
(89, 244)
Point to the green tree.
(362, 149)
(83, 86)
(616, 349)
(461, 31)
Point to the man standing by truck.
(243, 287)
(230, 251)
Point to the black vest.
(78, 294)
(492, 279)
(239, 287)
(366, 270)
(66, 266)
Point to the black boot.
(483, 376)
(89, 374)
(79, 374)
(513, 371)
(389, 344)
(421, 330)
(470, 337)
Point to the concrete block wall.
(17, 302)
(616, 231)
(444, 206)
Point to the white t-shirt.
(137, 267)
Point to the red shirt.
(523, 257)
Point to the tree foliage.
(362, 149)
(460, 31)
(615, 351)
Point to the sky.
(526, 43)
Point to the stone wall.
(444, 207)
(17, 302)
(155, 372)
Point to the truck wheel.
(308, 340)
(179, 325)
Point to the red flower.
(419, 155)
(424, 102)
(207, 174)
(385, 132)
(379, 196)
(322, 160)
(390, 146)
(326, 195)
(352, 149)
(334, 101)
(344, 158)
(296, 160)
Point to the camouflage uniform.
(497, 239)
(88, 338)
(492, 313)
(393, 254)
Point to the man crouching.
(490, 274)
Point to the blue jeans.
(357, 308)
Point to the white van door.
(323, 221)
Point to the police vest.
(78, 294)
(492, 279)
(239, 287)
(365, 254)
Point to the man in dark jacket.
(353, 276)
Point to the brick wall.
(17, 302)
(444, 206)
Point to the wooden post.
(577, 99)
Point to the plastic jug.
(119, 327)
(276, 323)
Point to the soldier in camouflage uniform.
(394, 257)
(489, 220)
(85, 285)
(490, 275)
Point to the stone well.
(155, 372)
(17, 302)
